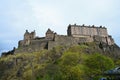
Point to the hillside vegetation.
(82, 62)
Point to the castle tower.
(50, 34)
(29, 36)
(26, 35)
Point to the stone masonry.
(96, 33)
(83, 31)
(76, 34)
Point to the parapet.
(89, 26)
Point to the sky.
(18, 15)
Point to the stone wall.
(35, 45)
(62, 40)
(109, 40)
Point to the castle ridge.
(76, 34)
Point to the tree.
(96, 64)
(70, 58)
(70, 67)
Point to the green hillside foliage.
(82, 62)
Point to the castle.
(76, 34)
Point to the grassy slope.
(55, 64)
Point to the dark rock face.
(9, 52)
(110, 50)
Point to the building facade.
(82, 31)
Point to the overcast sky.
(18, 15)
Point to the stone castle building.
(84, 31)
(76, 34)
(90, 32)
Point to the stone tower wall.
(50, 34)
(29, 36)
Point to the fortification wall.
(35, 45)
(61, 40)
(100, 39)
(109, 40)
(23, 43)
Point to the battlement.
(90, 26)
